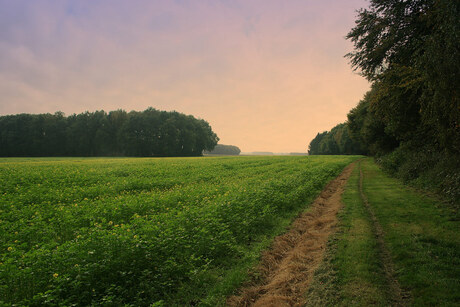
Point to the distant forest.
(336, 142)
(410, 119)
(221, 149)
(117, 133)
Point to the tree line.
(335, 142)
(221, 149)
(116, 133)
(410, 118)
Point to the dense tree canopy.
(368, 130)
(335, 142)
(410, 51)
(410, 119)
(222, 149)
(117, 133)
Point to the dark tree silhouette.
(117, 133)
(222, 149)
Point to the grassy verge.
(351, 273)
(421, 235)
(426, 169)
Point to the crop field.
(144, 230)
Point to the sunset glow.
(266, 75)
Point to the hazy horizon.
(267, 75)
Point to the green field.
(143, 230)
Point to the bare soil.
(287, 268)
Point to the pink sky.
(267, 75)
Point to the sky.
(267, 75)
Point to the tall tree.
(410, 50)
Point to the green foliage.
(410, 51)
(148, 133)
(142, 231)
(389, 32)
(229, 150)
(410, 118)
(335, 142)
(422, 236)
(368, 129)
(352, 272)
(440, 67)
(426, 169)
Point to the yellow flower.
(55, 275)
(10, 249)
(110, 223)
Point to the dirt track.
(287, 268)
